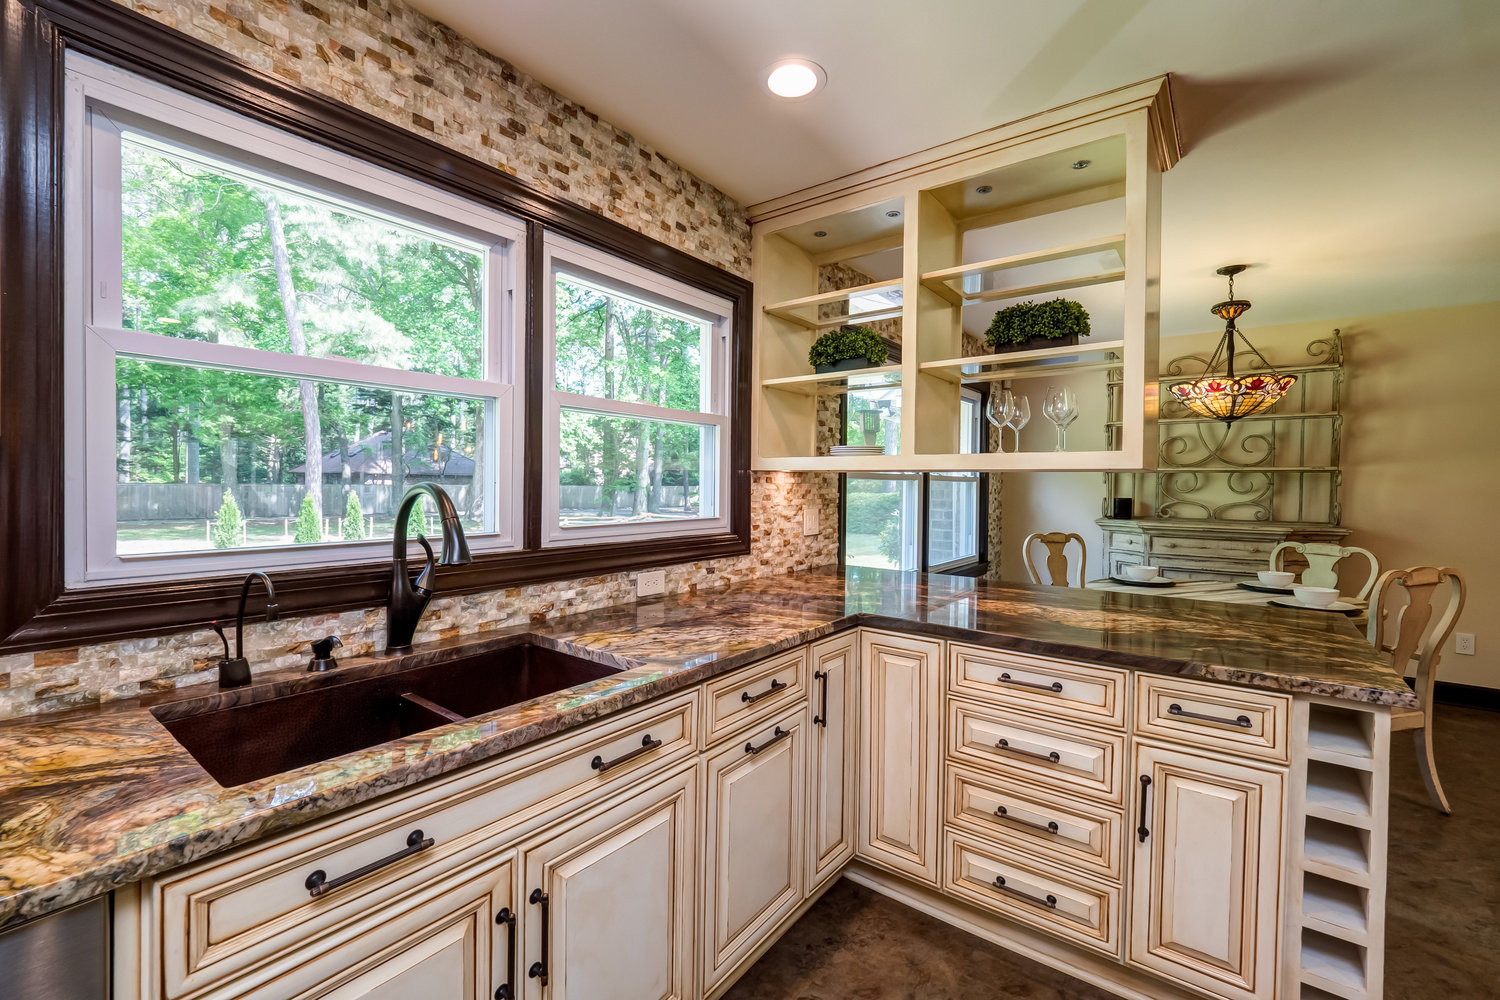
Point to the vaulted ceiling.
(1348, 149)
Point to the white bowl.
(1141, 572)
(1316, 597)
(1276, 578)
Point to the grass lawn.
(864, 550)
(142, 537)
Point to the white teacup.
(1276, 578)
(1141, 572)
(1316, 597)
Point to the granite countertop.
(96, 798)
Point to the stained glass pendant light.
(1228, 396)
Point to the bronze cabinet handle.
(821, 719)
(751, 699)
(647, 745)
(538, 970)
(1003, 813)
(1241, 721)
(507, 989)
(319, 884)
(1054, 688)
(1049, 901)
(1051, 757)
(776, 737)
(1143, 831)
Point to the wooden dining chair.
(1322, 563)
(1057, 558)
(1417, 636)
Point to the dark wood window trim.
(36, 609)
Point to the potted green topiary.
(1029, 325)
(847, 348)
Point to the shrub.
(1051, 320)
(416, 521)
(868, 513)
(848, 342)
(354, 519)
(890, 541)
(229, 525)
(309, 526)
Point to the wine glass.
(1000, 411)
(1020, 418)
(1060, 406)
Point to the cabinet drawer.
(751, 693)
(1216, 716)
(1226, 547)
(1124, 540)
(1038, 822)
(1055, 754)
(216, 920)
(1071, 906)
(1039, 684)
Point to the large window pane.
(880, 522)
(210, 459)
(613, 347)
(617, 470)
(952, 520)
(211, 253)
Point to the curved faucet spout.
(409, 597)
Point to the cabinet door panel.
(1206, 885)
(755, 841)
(833, 749)
(618, 889)
(899, 689)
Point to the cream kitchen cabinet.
(900, 749)
(833, 748)
(1205, 885)
(608, 904)
(754, 859)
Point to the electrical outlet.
(809, 520)
(1463, 643)
(650, 583)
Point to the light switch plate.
(650, 583)
(1463, 643)
(810, 520)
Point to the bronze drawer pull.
(1052, 757)
(538, 970)
(1143, 831)
(776, 737)
(647, 745)
(1050, 827)
(1055, 687)
(1243, 721)
(821, 719)
(751, 699)
(1050, 901)
(507, 989)
(319, 884)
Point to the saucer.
(1342, 607)
(1262, 588)
(1159, 581)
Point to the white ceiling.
(1348, 149)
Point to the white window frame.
(595, 267)
(95, 336)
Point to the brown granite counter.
(100, 797)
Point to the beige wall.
(1421, 458)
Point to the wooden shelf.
(941, 281)
(1339, 852)
(1333, 964)
(1335, 908)
(810, 385)
(805, 311)
(1025, 362)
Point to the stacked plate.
(857, 449)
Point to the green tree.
(416, 521)
(354, 519)
(309, 525)
(229, 527)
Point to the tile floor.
(1443, 909)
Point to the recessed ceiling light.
(794, 78)
(821, 233)
(892, 214)
(983, 189)
(1081, 164)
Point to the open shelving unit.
(947, 237)
(1334, 931)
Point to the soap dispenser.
(322, 658)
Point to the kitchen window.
(636, 408)
(271, 342)
(936, 522)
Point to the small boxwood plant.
(1051, 320)
(848, 342)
